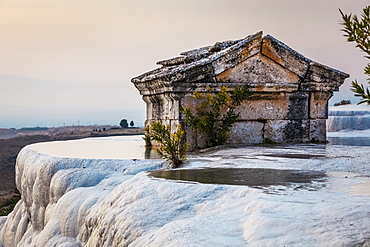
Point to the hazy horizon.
(72, 61)
(73, 119)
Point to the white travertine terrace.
(126, 147)
(94, 201)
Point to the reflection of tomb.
(253, 177)
(290, 97)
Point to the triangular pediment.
(258, 69)
(262, 62)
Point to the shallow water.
(253, 177)
(349, 141)
(115, 147)
(296, 155)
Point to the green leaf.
(216, 114)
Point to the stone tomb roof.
(263, 62)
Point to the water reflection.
(349, 141)
(254, 177)
(150, 153)
(296, 155)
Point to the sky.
(71, 62)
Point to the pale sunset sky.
(71, 61)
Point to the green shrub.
(216, 114)
(268, 141)
(146, 137)
(343, 102)
(171, 145)
(357, 29)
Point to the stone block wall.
(282, 117)
(291, 92)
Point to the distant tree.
(123, 123)
(132, 124)
(357, 29)
(343, 102)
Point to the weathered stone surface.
(235, 54)
(197, 54)
(322, 78)
(273, 130)
(156, 86)
(298, 105)
(191, 74)
(265, 106)
(287, 130)
(290, 91)
(273, 88)
(297, 131)
(191, 137)
(319, 105)
(202, 140)
(149, 107)
(199, 86)
(244, 132)
(318, 130)
(162, 106)
(224, 44)
(198, 58)
(258, 70)
(285, 56)
(174, 61)
(196, 139)
(190, 102)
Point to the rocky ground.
(12, 141)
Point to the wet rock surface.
(253, 177)
(237, 195)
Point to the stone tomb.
(291, 92)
